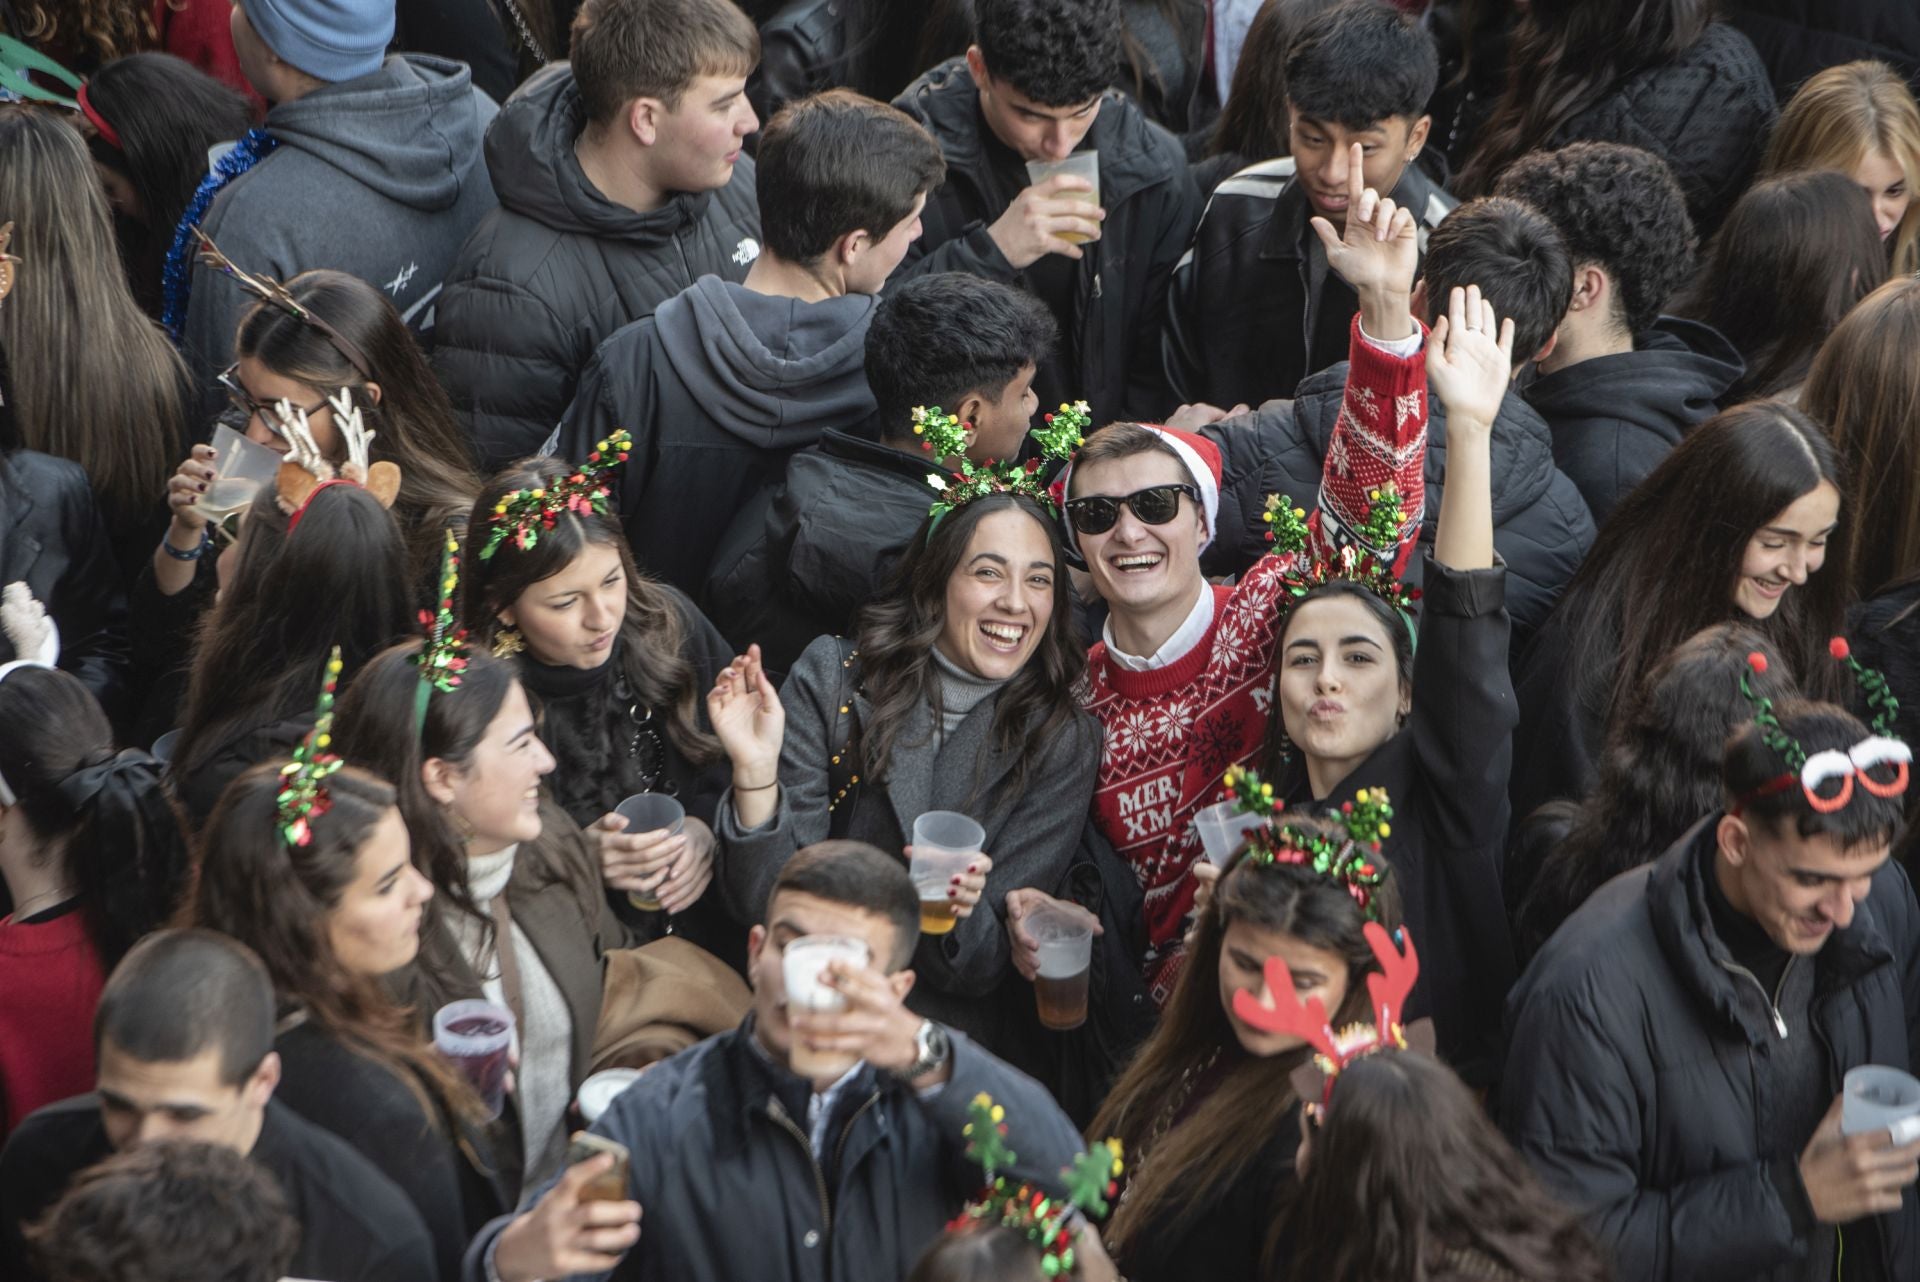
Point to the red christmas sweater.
(1172, 732)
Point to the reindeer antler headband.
(1353, 860)
(1044, 1219)
(1817, 773)
(307, 471)
(944, 436)
(272, 292)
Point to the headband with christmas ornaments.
(1091, 1180)
(944, 436)
(1827, 778)
(443, 655)
(522, 515)
(1288, 531)
(303, 794)
(1353, 860)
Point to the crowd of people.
(856, 641)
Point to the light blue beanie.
(331, 40)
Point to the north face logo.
(749, 249)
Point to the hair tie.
(79, 789)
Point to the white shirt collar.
(1176, 647)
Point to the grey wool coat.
(1032, 831)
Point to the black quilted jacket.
(1799, 37)
(558, 267)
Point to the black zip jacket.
(1640, 1082)
(1242, 326)
(53, 540)
(1109, 344)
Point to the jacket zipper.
(779, 1114)
(840, 1149)
(1773, 1002)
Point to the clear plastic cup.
(944, 843)
(1877, 1098)
(800, 967)
(1066, 963)
(163, 747)
(242, 467)
(1222, 828)
(1081, 164)
(650, 812)
(477, 1036)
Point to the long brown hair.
(276, 899)
(1865, 386)
(94, 378)
(1226, 1130)
(898, 630)
(413, 420)
(1408, 1179)
(86, 33)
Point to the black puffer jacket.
(1109, 346)
(1796, 38)
(1638, 1080)
(1541, 526)
(1706, 114)
(801, 559)
(1242, 324)
(1885, 630)
(1614, 418)
(558, 267)
(52, 539)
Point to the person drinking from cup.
(615, 664)
(947, 728)
(308, 863)
(1678, 1047)
(742, 1166)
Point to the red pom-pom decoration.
(1757, 661)
(1838, 648)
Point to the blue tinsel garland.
(178, 276)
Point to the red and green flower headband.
(1352, 860)
(1819, 773)
(522, 515)
(443, 656)
(944, 436)
(1091, 1180)
(303, 795)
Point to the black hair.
(857, 875)
(1060, 53)
(937, 339)
(107, 812)
(1360, 63)
(837, 163)
(1619, 208)
(1868, 822)
(178, 992)
(1516, 257)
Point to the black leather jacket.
(53, 540)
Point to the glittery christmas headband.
(275, 294)
(303, 791)
(1090, 1181)
(443, 656)
(944, 436)
(1352, 860)
(1287, 530)
(1817, 773)
(521, 515)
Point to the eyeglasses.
(1155, 505)
(243, 403)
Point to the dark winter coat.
(801, 559)
(199, 787)
(558, 267)
(53, 540)
(1885, 631)
(1031, 833)
(1242, 325)
(1109, 344)
(476, 32)
(1706, 114)
(1639, 1085)
(1797, 38)
(1445, 771)
(803, 50)
(1541, 527)
(1613, 418)
(1563, 719)
(724, 1170)
(719, 388)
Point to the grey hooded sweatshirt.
(379, 177)
(718, 387)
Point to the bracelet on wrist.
(740, 787)
(199, 549)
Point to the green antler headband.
(303, 793)
(1090, 1181)
(1353, 861)
(944, 436)
(521, 516)
(443, 656)
(1819, 774)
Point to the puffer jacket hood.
(773, 372)
(407, 131)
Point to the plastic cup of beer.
(1081, 164)
(650, 812)
(944, 844)
(477, 1037)
(801, 965)
(1066, 960)
(1222, 828)
(1876, 1098)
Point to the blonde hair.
(1839, 116)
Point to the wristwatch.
(934, 1047)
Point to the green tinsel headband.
(944, 436)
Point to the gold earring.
(508, 642)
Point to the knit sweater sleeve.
(1379, 437)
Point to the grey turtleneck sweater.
(960, 692)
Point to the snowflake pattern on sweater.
(1172, 732)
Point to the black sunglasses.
(1155, 505)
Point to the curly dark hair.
(1618, 207)
(1060, 53)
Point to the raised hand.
(746, 716)
(875, 1025)
(1378, 251)
(1470, 359)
